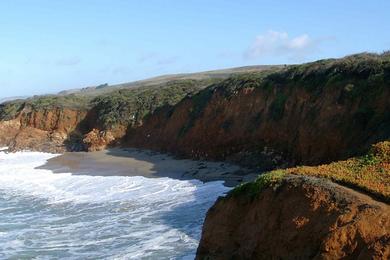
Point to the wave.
(43, 214)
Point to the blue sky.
(48, 46)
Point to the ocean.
(46, 216)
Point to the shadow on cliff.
(74, 141)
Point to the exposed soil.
(302, 218)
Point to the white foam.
(128, 217)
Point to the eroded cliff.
(48, 129)
(294, 214)
(306, 114)
(298, 218)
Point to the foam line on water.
(73, 216)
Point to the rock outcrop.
(300, 218)
(98, 140)
(8, 131)
(48, 130)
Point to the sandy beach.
(136, 162)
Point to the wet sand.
(136, 162)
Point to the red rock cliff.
(304, 126)
(302, 218)
(42, 130)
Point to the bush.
(252, 189)
(10, 110)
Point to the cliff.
(306, 114)
(81, 122)
(48, 129)
(293, 214)
(300, 218)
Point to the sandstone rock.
(34, 139)
(98, 140)
(8, 131)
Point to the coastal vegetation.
(130, 106)
(9, 110)
(369, 173)
(123, 106)
(356, 73)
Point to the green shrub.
(10, 110)
(131, 106)
(252, 189)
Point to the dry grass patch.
(370, 173)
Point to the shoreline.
(146, 163)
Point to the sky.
(51, 45)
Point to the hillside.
(161, 80)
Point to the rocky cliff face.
(302, 115)
(87, 122)
(8, 131)
(48, 130)
(300, 218)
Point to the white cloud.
(274, 43)
(300, 42)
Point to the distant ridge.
(2, 100)
(212, 74)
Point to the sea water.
(45, 215)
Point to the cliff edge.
(300, 218)
(299, 213)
